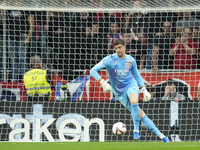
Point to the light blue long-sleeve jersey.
(119, 72)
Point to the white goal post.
(103, 5)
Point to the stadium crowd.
(77, 41)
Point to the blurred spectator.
(138, 33)
(136, 22)
(125, 20)
(195, 34)
(114, 34)
(161, 48)
(198, 91)
(99, 17)
(1, 41)
(82, 22)
(107, 18)
(172, 17)
(40, 34)
(187, 21)
(73, 54)
(93, 31)
(170, 92)
(148, 24)
(56, 38)
(185, 51)
(135, 49)
(151, 23)
(196, 38)
(113, 17)
(116, 15)
(94, 45)
(20, 25)
(197, 14)
(174, 97)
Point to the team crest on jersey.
(128, 65)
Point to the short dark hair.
(169, 82)
(114, 20)
(196, 28)
(118, 41)
(35, 60)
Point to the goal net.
(72, 36)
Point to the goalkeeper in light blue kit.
(119, 67)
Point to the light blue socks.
(135, 110)
(151, 126)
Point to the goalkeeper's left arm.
(138, 78)
(146, 94)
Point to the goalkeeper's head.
(120, 47)
(36, 62)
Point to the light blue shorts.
(124, 98)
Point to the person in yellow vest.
(38, 81)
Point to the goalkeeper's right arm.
(94, 71)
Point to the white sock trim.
(162, 136)
(136, 131)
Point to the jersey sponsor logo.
(116, 66)
(121, 72)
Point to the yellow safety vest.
(36, 83)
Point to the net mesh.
(103, 5)
(69, 38)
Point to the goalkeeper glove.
(106, 86)
(146, 94)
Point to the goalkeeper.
(125, 87)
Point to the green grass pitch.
(100, 146)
